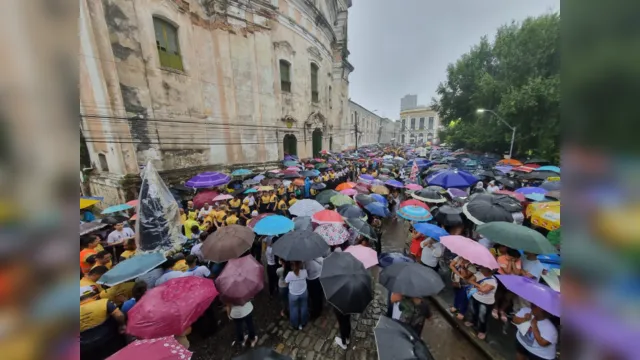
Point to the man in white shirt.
(537, 336)
(120, 234)
(201, 271)
(316, 294)
(492, 186)
(206, 209)
(431, 252)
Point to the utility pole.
(356, 129)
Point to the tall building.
(195, 85)
(419, 125)
(408, 102)
(386, 135)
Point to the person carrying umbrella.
(376, 224)
(316, 296)
(539, 341)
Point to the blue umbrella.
(531, 190)
(453, 179)
(258, 177)
(552, 168)
(535, 197)
(378, 209)
(251, 190)
(386, 259)
(116, 208)
(241, 172)
(290, 163)
(381, 199)
(394, 183)
(432, 231)
(132, 268)
(367, 177)
(273, 225)
(208, 179)
(414, 213)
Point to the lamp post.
(513, 128)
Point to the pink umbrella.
(333, 234)
(413, 187)
(366, 255)
(276, 171)
(349, 192)
(222, 197)
(362, 189)
(171, 308)
(165, 348)
(241, 280)
(133, 203)
(469, 249)
(327, 217)
(293, 168)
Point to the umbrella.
(324, 196)
(518, 196)
(448, 215)
(430, 230)
(134, 217)
(554, 195)
(428, 195)
(535, 197)
(453, 178)
(309, 166)
(318, 186)
(308, 173)
(349, 192)
(411, 279)
(227, 243)
(346, 283)
(86, 201)
(470, 250)
(351, 211)
(165, 348)
(290, 163)
(552, 168)
(131, 269)
(366, 177)
(545, 214)
(112, 220)
(531, 190)
(437, 188)
(88, 227)
(394, 183)
(302, 223)
(251, 190)
(170, 308)
(300, 245)
(387, 259)
(346, 185)
(321, 166)
(292, 175)
(241, 172)
(481, 211)
(362, 228)
(457, 193)
(395, 340)
(207, 180)
(341, 199)
(265, 188)
(259, 177)
(509, 203)
(364, 200)
(254, 220)
(204, 196)
(222, 197)
(379, 189)
(116, 208)
(305, 207)
(378, 209)
(414, 213)
(273, 225)
(366, 255)
(362, 189)
(133, 203)
(274, 182)
(509, 182)
(538, 161)
(413, 187)
(517, 237)
(251, 182)
(292, 168)
(262, 353)
(241, 280)
(511, 162)
(333, 234)
(327, 217)
(381, 199)
(492, 173)
(414, 202)
(298, 182)
(551, 185)
(541, 295)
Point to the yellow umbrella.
(265, 188)
(379, 189)
(86, 201)
(545, 214)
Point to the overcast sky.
(404, 46)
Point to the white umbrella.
(305, 207)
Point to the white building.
(419, 125)
(368, 123)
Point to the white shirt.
(171, 275)
(395, 312)
(430, 255)
(118, 236)
(547, 331)
(486, 298)
(205, 211)
(314, 268)
(297, 283)
(271, 259)
(533, 267)
(518, 217)
(201, 271)
(252, 201)
(238, 312)
(492, 188)
(196, 250)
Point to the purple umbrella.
(289, 158)
(367, 177)
(531, 190)
(533, 291)
(241, 280)
(259, 177)
(208, 179)
(457, 193)
(505, 168)
(394, 183)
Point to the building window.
(285, 76)
(431, 123)
(104, 166)
(167, 44)
(404, 125)
(314, 83)
(421, 123)
(413, 123)
(403, 139)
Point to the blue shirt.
(128, 305)
(88, 216)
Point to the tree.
(517, 76)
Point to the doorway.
(290, 145)
(316, 142)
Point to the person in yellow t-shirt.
(183, 216)
(332, 175)
(313, 193)
(218, 217)
(273, 201)
(103, 258)
(281, 190)
(245, 212)
(191, 210)
(231, 219)
(99, 316)
(235, 203)
(94, 275)
(325, 177)
(129, 249)
(263, 202)
(118, 293)
(291, 189)
(292, 199)
(374, 173)
(181, 263)
(282, 207)
(189, 223)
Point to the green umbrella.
(516, 236)
(324, 197)
(341, 199)
(554, 237)
(321, 166)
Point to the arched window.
(104, 165)
(314, 83)
(285, 76)
(167, 44)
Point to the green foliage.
(517, 76)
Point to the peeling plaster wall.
(226, 107)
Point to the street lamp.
(513, 128)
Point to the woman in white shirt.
(483, 297)
(242, 315)
(538, 340)
(298, 296)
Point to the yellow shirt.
(113, 292)
(220, 215)
(235, 204)
(332, 176)
(232, 220)
(183, 218)
(282, 205)
(181, 265)
(245, 210)
(107, 265)
(127, 254)
(317, 180)
(273, 199)
(281, 191)
(291, 189)
(93, 314)
(313, 191)
(374, 174)
(265, 199)
(292, 201)
(98, 248)
(87, 282)
(187, 227)
(325, 177)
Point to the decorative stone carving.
(284, 46)
(316, 120)
(314, 53)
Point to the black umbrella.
(88, 227)
(291, 176)
(395, 340)
(539, 175)
(262, 353)
(302, 222)
(308, 173)
(436, 188)
(492, 174)
(351, 211)
(429, 195)
(509, 203)
(239, 191)
(447, 215)
(411, 279)
(112, 220)
(364, 200)
(324, 197)
(362, 228)
(551, 185)
(509, 182)
(300, 245)
(538, 161)
(346, 283)
(480, 211)
(318, 186)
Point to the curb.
(481, 345)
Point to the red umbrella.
(202, 197)
(165, 348)
(134, 217)
(169, 309)
(133, 203)
(241, 280)
(254, 220)
(533, 166)
(517, 196)
(414, 202)
(327, 217)
(310, 166)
